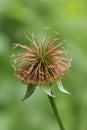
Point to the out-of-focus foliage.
(69, 18)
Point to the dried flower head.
(41, 64)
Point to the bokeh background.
(69, 18)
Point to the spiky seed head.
(40, 63)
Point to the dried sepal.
(47, 89)
(29, 91)
(61, 88)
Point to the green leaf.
(61, 88)
(46, 88)
(29, 92)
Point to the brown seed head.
(40, 63)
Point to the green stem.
(55, 110)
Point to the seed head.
(41, 64)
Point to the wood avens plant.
(42, 65)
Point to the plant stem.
(55, 110)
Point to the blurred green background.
(69, 18)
